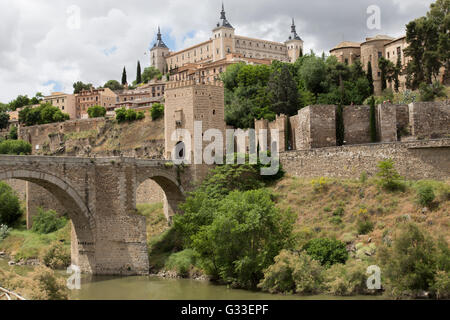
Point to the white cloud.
(38, 48)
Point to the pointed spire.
(159, 33)
(294, 35)
(224, 22)
(159, 42)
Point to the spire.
(159, 42)
(294, 35)
(224, 22)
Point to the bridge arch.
(173, 190)
(83, 222)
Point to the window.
(380, 54)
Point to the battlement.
(190, 83)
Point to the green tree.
(15, 147)
(19, 102)
(138, 73)
(80, 86)
(397, 73)
(96, 112)
(327, 251)
(124, 76)
(390, 179)
(429, 92)
(13, 135)
(284, 92)
(370, 77)
(4, 120)
(46, 222)
(114, 85)
(373, 121)
(157, 111)
(121, 115)
(149, 74)
(246, 233)
(10, 210)
(340, 129)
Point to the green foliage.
(10, 210)
(373, 121)
(364, 226)
(157, 111)
(57, 256)
(124, 76)
(51, 287)
(370, 77)
(22, 101)
(114, 85)
(340, 128)
(13, 134)
(96, 112)
(246, 233)
(150, 73)
(412, 264)
(140, 115)
(346, 279)
(4, 231)
(130, 115)
(429, 92)
(46, 222)
(44, 114)
(121, 115)
(425, 195)
(4, 120)
(15, 147)
(389, 177)
(80, 86)
(283, 92)
(182, 262)
(327, 251)
(293, 273)
(138, 73)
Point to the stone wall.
(386, 121)
(317, 127)
(429, 119)
(149, 192)
(356, 124)
(19, 186)
(413, 160)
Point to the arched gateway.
(99, 195)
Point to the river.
(154, 288)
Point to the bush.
(96, 112)
(13, 135)
(182, 262)
(57, 256)
(49, 287)
(442, 285)
(4, 231)
(10, 210)
(429, 92)
(157, 111)
(425, 196)
(46, 222)
(291, 273)
(121, 115)
(389, 177)
(413, 263)
(327, 251)
(320, 185)
(346, 280)
(15, 147)
(130, 115)
(364, 226)
(247, 231)
(140, 115)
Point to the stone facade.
(65, 102)
(317, 127)
(429, 120)
(413, 160)
(99, 97)
(356, 124)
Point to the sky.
(47, 45)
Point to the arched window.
(180, 150)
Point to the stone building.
(347, 52)
(224, 41)
(104, 97)
(65, 102)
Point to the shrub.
(364, 226)
(389, 177)
(346, 280)
(49, 287)
(96, 112)
(247, 231)
(425, 196)
(57, 256)
(339, 212)
(140, 115)
(291, 273)
(327, 251)
(429, 92)
(411, 265)
(46, 222)
(121, 115)
(130, 115)
(13, 135)
(157, 111)
(4, 231)
(182, 262)
(320, 185)
(442, 285)
(15, 147)
(10, 210)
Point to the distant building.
(104, 97)
(223, 42)
(65, 102)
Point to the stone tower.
(294, 44)
(223, 37)
(158, 54)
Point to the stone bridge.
(99, 195)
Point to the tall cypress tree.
(373, 121)
(124, 77)
(370, 77)
(138, 73)
(397, 70)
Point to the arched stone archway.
(83, 223)
(174, 192)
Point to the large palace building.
(204, 61)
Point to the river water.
(154, 288)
